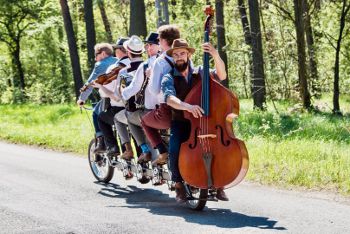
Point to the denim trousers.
(95, 113)
(179, 133)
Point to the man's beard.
(181, 66)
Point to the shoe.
(144, 180)
(128, 153)
(144, 157)
(180, 192)
(100, 146)
(221, 195)
(113, 151)
(129, 175)
(161, 160)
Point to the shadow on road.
(161, 204)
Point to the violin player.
(104, 58)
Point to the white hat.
(134, 45)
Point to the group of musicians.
(147, 96)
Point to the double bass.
(212, 157)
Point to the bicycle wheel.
(99, 164)
(198, 197)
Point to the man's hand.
(80, 103)
(209, 48)
(96, 85)
(195, 110)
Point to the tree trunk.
(247, 39)
(16, 60)
(63, 63)
(245, 22)
(162, 12)
(302, 71)
(105, 20)
(311, 51)
(73, 51)
(336, 92)
(258, 78)
(90, 33)
(137, 18)
(220, 30)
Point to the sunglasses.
(98, 53)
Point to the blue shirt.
(99, 69)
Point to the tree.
(258, 77)
(73, 50)
(220, 30)
(15, 18)
(344, 11)
(162, 12)
(105, 20)
(137, 18)
(311, 50)
(90, 32)
(302, 70)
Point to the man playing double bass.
(175, 86)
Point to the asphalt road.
(43, 191)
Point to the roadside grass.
(60, 127)
(286, 149)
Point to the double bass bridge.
(206, 136)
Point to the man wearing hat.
(139, 85)
(175, 86)
(134, 48)
(104, 58)
(105, 117)
(159, 117)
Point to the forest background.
(288, 61)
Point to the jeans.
(95, 113)
(179, 133)
(105, 121)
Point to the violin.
(105, 78)
(212, 157)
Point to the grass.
(286, 148)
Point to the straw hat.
(134, 45)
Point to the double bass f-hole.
(194, 144)
(223, 142)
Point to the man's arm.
(135, 84)
(171, 99)
(98, 70)
(219, 63)
(108, 93)
(176, 103)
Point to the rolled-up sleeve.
(167, 86)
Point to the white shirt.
(121, 73)
(135, 86)
(113, 85)
(160, 68)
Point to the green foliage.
(46, 63)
